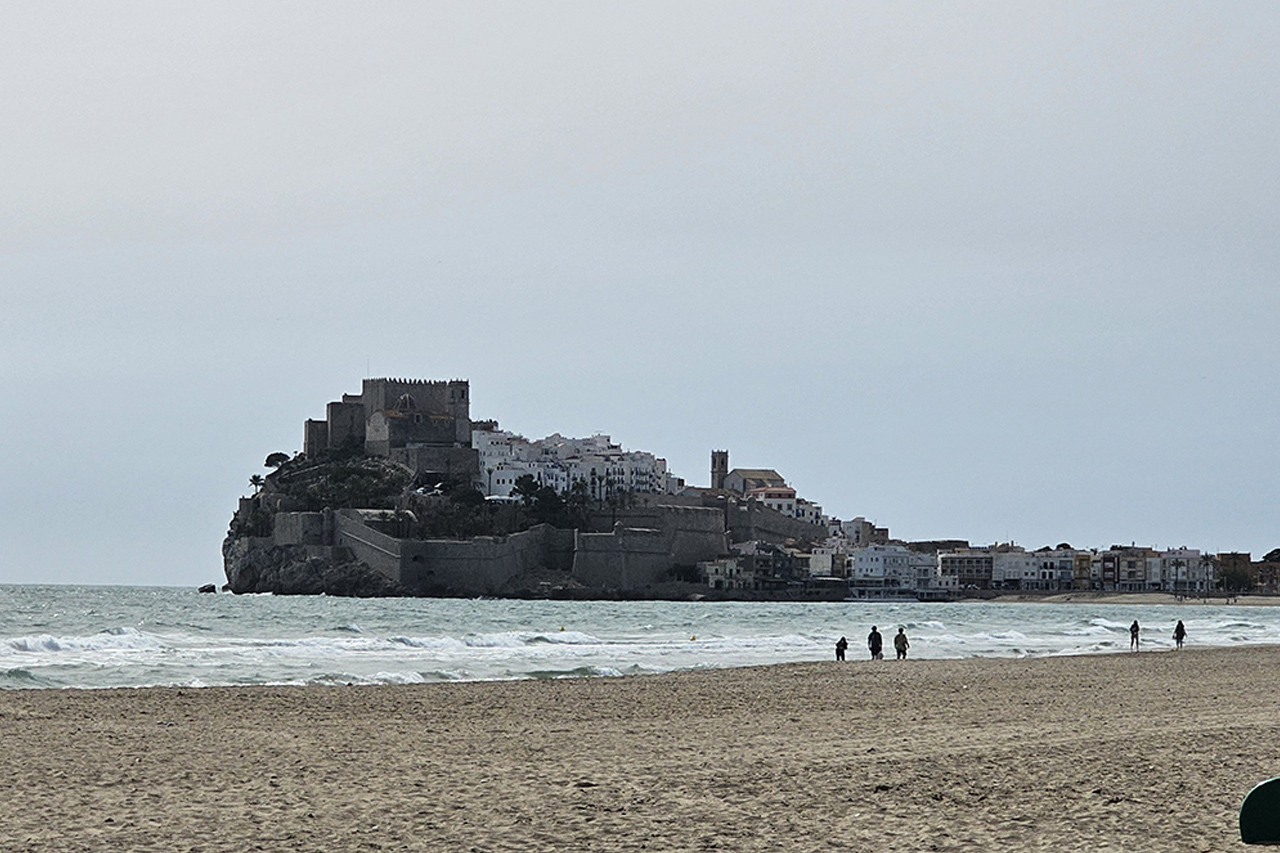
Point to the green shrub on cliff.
(355, 483)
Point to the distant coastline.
(1109, 597)
(398, 492)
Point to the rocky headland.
(351, 524)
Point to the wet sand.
(1121, 752)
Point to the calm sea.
(104, 636)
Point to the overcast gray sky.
(986, 270)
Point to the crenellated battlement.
(418, 383)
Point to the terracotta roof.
(758, 474)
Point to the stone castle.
(422, 424)
(632, 547)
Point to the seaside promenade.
(1121, 752)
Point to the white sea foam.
(99, 637)
(1089, 631)
(1016, 636)
(517, 639)
(429, 642)
(122, 639)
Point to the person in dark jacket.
(841, 645)
(875, 643)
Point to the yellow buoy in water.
(694, 637)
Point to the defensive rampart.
(479, 566)
(639, 552)
(628, 558)
(748, 520)
(693, 533)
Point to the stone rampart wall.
(749, 520)
(298, 528)
(626, 559)
(479, 566)
(560, 544)
(377, 550)
(695, 533)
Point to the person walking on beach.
(900, 643)
(875, 643)
(1133, 636)
(841, 645)
(1179, 633)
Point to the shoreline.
(1136, 598)
(1117, 751)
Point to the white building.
(726, 573)
(861, 532)
(810, 512)
(604, 468)
(1015, 569)
(1057, 567)
(1184, 569)
(924, 570)
(778, 498)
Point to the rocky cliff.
(258, 566)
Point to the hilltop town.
(397, 491)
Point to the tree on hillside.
(257, 482)
(275, 460)
(543, 503)
(526, 488)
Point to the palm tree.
(1206, 566)
(257, 482)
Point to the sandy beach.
(1121, 752)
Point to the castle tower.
(719, 468)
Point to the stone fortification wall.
(386, 431)
(479, 566)
(694, 533)
(315, 436)
(346, 422)
(748, 520)
(337, 552)
(646, 499)
(378, 551)
(298, 528)
(627, 559)
(460, 462)
(560, 545)
(435, 397)
(744, 520)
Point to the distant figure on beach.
(841, 645)
(1133, 636)
(900, 643)
(1179, 633)
(875, 643)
